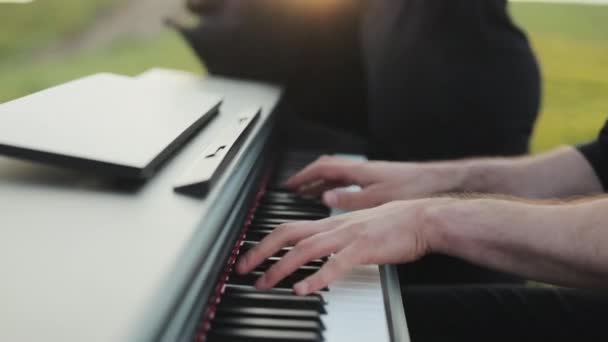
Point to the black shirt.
(597, 155)
(448, 79)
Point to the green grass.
(126, 57)
(43, 22)
(571, 42)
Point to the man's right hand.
(381, 182)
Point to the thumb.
(353, 200)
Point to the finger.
(312, 248)
(284, 235)
(337, 266)
(326, 168)
(319, 187)
(354, 200)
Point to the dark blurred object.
(203, 6)
(312, 47)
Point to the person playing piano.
(550, 224)
(402, 80)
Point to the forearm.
(563, 172)
(564, 244)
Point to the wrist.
(456, 226)
(489, 176)
(435, 223)
(448, 176)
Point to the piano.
(85, 258)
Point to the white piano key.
(356, 304)
(355, 307)
(358, 314)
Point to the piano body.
(87, 259)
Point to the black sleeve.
(597, 154)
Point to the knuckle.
(356, 227)
(304, 245)
(333, 240)
(359, 167)
(326, 170)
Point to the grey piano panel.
(85, 259)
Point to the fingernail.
(301, 288)
(330, 198)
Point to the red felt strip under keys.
(219, 289)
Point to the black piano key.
(289, 214)
(271, 300)
(296, 207)
(278, 187)
(303, 271)
(243, 279)
(279, 192)
(269, 312)
(270, 221)
(265, 323)
(310, 209)
(257, 234)
(251, 277)
(309, 267)
(292, 198)
(237, 288)
(247, 245)
(251, 287)
(318, 263)
(282, 194)
(292, 201)
(262, 226)
(258, 335)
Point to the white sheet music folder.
(104, 123)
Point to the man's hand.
(392, 233)
(381, 182)
(559, 173)
(563, 244)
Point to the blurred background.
(46, 42)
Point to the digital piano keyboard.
(87, 259)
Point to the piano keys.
(244, 313)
